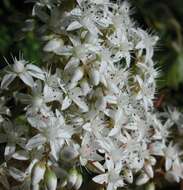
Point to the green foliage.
(12, 38)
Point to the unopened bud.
(72, 177)
(150, 186)
(38, 172)
(50, 179)
(79, 182)
(68, 153)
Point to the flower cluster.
(90, 106)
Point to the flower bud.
(68, 154)
(38, 172)
(50, 179)
(72, 177)
(150, 186)
(142, 179)
(79, 182)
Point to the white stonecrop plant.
(91, 106)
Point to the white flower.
(12, 136)
(146, 42)
(122, 47)
(40, 97)
(111, 178)
(171, 153)
(88, 150)
(112, 149)
(145, 92)
(52, 130)
(92, 106)
(24, 71)
(176, 173)
(74, 95)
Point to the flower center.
(18, 66)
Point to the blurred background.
(161, 17)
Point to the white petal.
(168, 164)
(114, 131)
(66, 103)
(40, 76)
(35, 141)
(27, 79)
(142, 179)
(149, 170)
(9, 150)
(110, 186)
(74, 25)
(85, 87)
(77, 75)
(81, 104)
(101, 179)
(83, 161)
(72, 63)
(34, 68)
(56, 148)
(95, 77)
(110, 164)
(98, 166)
(111, 99)
(7, 79)
(119, 183)
(51, 94)
(21, 155)
(53, 44)
(87, 127)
